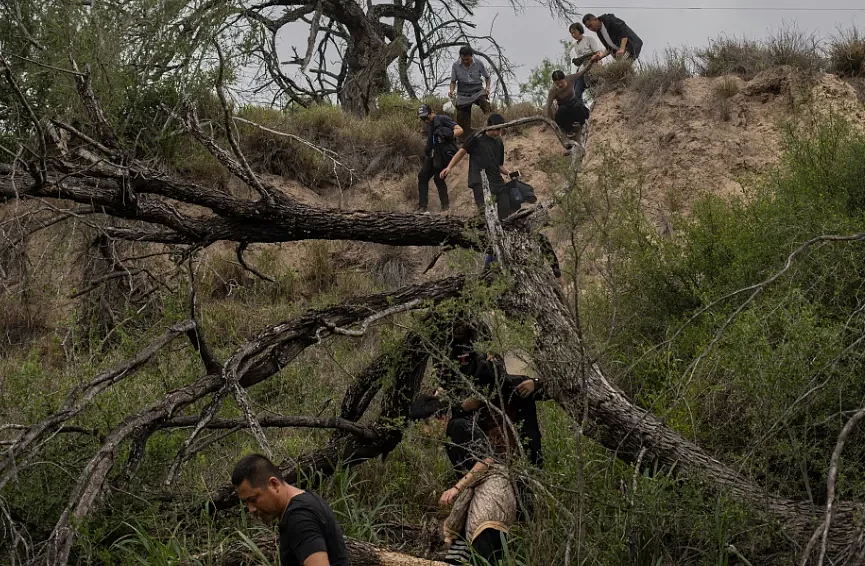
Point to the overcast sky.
(532, 33)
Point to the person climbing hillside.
(483, 501)
(442, 132)
(585, 48)
(468, 87)
(487, 153)
(619, 39)
(515, 395)
(571, 113)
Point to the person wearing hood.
(618, 39)
(442, 132)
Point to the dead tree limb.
(334, 423)
(279, 344)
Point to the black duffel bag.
(521, 192)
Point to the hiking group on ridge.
(488, 415)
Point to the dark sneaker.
(445, 208)
(421, 210)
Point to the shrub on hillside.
(661, 76)
(847, 54)
(615, 75)
(795, 48)
(731, 56)
(746, 58)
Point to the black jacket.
(618, 29)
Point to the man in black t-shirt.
(442, 132)
(308, 532)
(487, 153)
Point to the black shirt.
(485, 154)
(467, 443)
(309, 526)
(438, 121)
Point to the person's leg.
(580, 86)
(489, 545)
(484, 104)
(564, 119)
(478, 192)
(464, 119)
(423, 178)
(442, 187)
(504, 205)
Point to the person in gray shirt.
(468, 88)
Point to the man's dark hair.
(466, 50)
(558, 75)
(254, 468)
(426, 406)
(588, 17)
(577, 26)
(495, 120)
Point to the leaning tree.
(82, 160)
(351, 46)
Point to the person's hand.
(447, 499)
(451, 94)
(526, 388)
(597, 57)
(445, 172)
(620, 53)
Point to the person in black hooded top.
(442, 132)
(614, 33)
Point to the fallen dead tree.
(97, 173)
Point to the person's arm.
(307, 541)
(550, 98)
(458, 131)
(453, 84)
(578, 74)
(621, 50)
(486, 75)
(317, 559)
(456, 159)
(450, 495)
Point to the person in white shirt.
(584, 50)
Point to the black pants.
(427, 172)
(488, 545)
(464, 115)
(500, 193)
(567, 116)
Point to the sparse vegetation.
(746, 58)
(660, 77)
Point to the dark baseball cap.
(424, 111)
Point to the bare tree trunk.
(615, 422)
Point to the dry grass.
(846, 54)
(388, 142)
(656, 78)
(746, 58)
(615, 75)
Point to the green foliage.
(540, 80)
(764, 381)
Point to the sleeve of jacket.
(617, 27)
